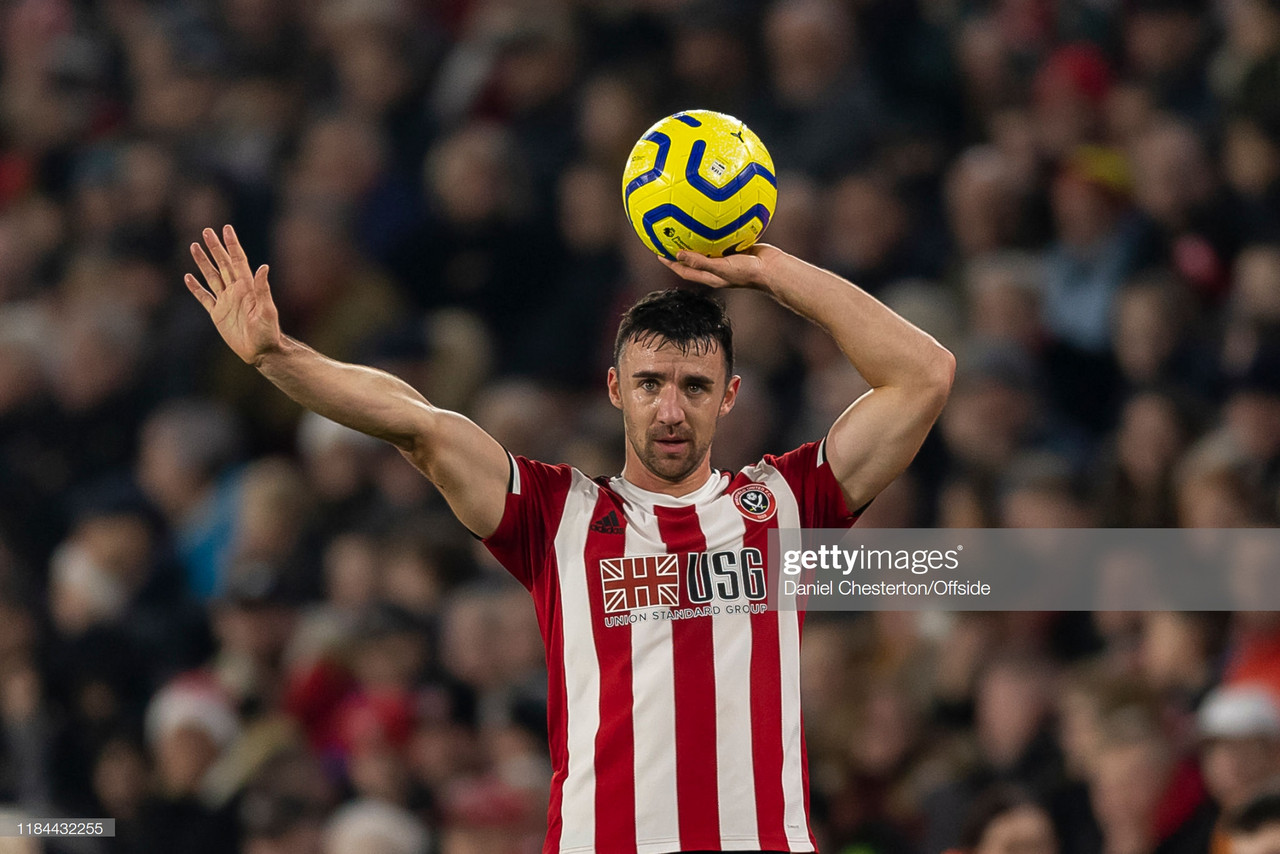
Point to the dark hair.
(690, 319)
(1261, 811)
(992, 804)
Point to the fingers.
(219, 253)
(695, 260)
(207, 299)
(211, 275)
(260, 277)
(229, 263)
(702, 277)
(739, 270)
(689, 274)
(717, 272)
(236, 251)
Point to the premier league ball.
(699, 180)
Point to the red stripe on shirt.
(804, 775)
(615, 756)
(695, 694)
(522, 543)
(766, 731)
(766, 707)
(547, 601)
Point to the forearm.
(884, 347)
(465, 463)
(362, 398)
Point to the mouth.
(672, 444)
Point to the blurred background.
(235, 627)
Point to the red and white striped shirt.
(672, 728)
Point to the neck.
(638, 474)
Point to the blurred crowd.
(235, 627)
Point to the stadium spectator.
(1135, 487)
(1165, 45)
(1239, 729)
(1191, 226)
(189, 726)
(186, 450)
(1144, 796)
(1013, 744)
(984, 202)
(1071, 89)
(370, 825)
(1004, 820)
(1095, 251)
(1255, 827)
(823, 105)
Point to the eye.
(696, 388)
(649, 385)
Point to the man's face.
(1235, 768)
(1024, 830)
(670, 403)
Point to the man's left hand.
(748, 269)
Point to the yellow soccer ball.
(699, 180)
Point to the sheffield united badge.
(755, 501)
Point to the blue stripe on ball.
(687, 119)
(670, 211)
(660, 162)
(711, 191)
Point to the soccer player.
(671, 730)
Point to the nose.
(669, 409)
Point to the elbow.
(945, 369)
(940, 375)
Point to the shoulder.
(800, 480)
(526, 473)
(545, 488)
(551, 483)
(529, 475)
(541, 499)
(788, 473)
(807, 458)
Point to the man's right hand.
(465, 463)
(238, 300)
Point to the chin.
(669, 469)
(668, 472)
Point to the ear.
(615, 393)
(730, 395)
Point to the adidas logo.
(607, 524)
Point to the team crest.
(755, 501)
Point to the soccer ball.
(699, 180)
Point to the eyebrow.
(701, 379)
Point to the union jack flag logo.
(646, 581)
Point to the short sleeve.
(818, 493)
(536, 494)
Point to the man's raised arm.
(465, 463)
(910, 373)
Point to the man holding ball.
(672, 728)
